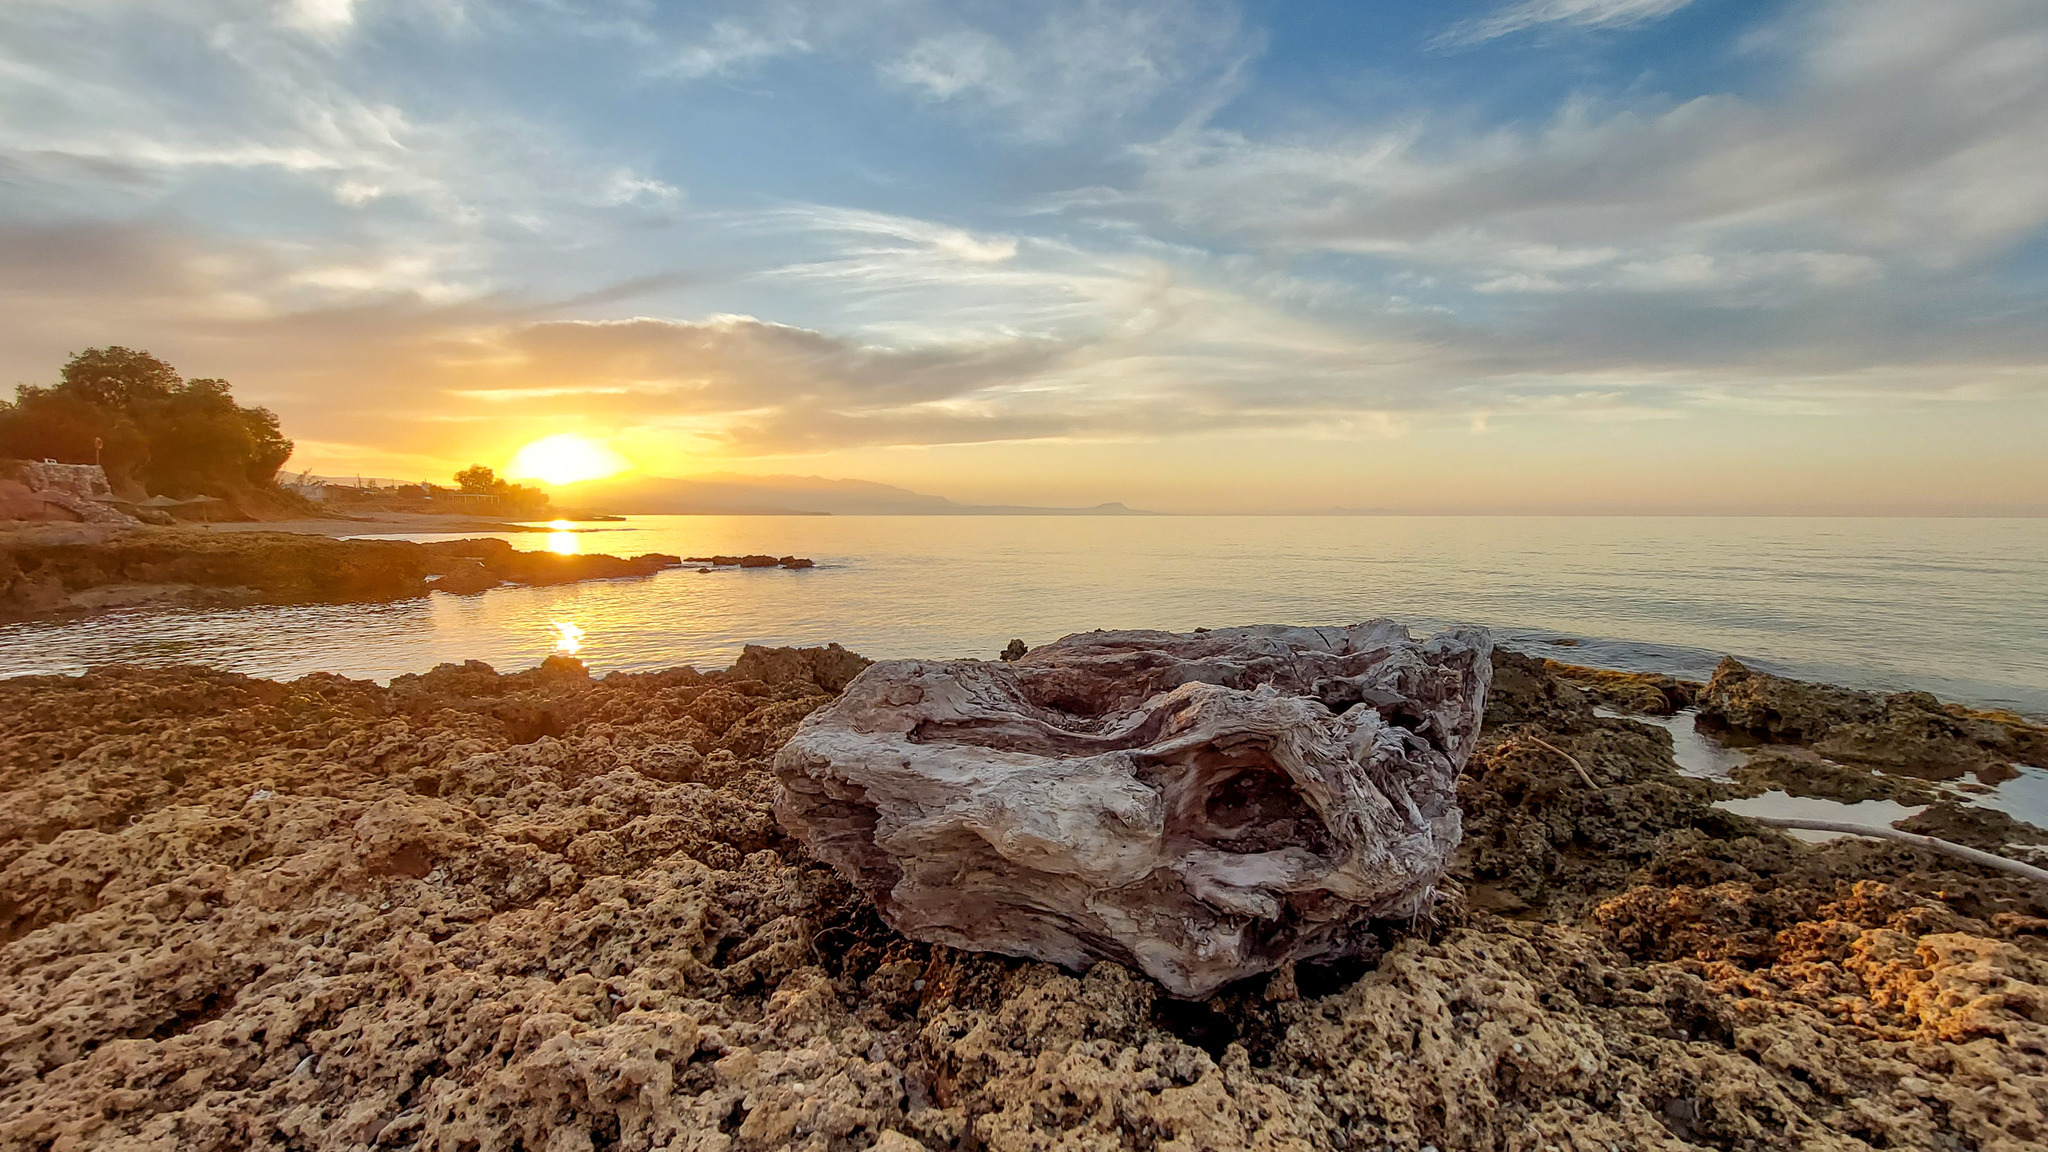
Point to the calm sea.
(1957, 607)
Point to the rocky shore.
(56, 569)
(545, 911)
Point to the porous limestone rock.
(1202, 807)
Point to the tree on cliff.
(152, 430)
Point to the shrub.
(151, 429)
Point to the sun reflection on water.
(568, 638)
(563, 542)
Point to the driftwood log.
(1202, 807)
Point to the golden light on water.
(565, 458)
(563, 543)
(568, 638)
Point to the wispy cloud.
(325, 17)
(1903, 144)
(1040, 72)
(230, 103)
(1530, 14)
(266, 192)
(1079, 65)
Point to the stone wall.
(45, 490)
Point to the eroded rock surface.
(46, 569)
(1779, 708)
(1202, 807)
(480, 913)
(1905, 733)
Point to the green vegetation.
(152, 430)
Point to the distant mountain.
(732, 494)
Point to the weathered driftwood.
(1203, 807)
(1931, 843)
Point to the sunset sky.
(1436, 255)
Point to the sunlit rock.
(1203, 807)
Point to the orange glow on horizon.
(565, 458)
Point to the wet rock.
(464, 578)
(1985, 828)
(1525, 690)
(829, 669)
(1802, 772)
(754, 561)
(1779, 708)
(1536, 836)
(1908, 733)
(539, 567)
(1014, 651)
(1913, 735)
(251, 567)
(46, 571)
(1644, 692)
(1201, 807)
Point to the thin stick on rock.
(1932, 843)
(1583, 774)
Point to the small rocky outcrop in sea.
(1203, 807)
(759, 560)
(1908, 733)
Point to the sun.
(565, 459)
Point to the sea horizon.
(1939, 604)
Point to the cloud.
(895, 233)
(225, 110)
(1902, 143)
(1042, 72)
(324, 17)
(624, 186)
(730, 45)
(1080, 66)
(1550, 13)
(388, 266)
(1052, 343)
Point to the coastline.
(85, 569)
(473, 904)
(383, 524)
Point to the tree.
(151, 430)
(119, 378)
(478, 480)
(55, 424)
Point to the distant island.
(735, 494)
